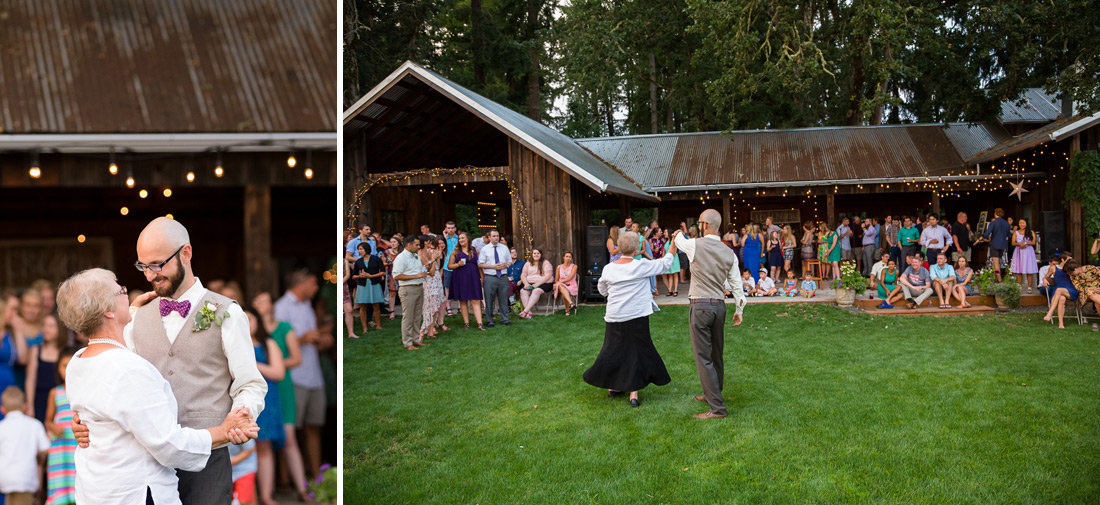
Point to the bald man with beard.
(208, 361)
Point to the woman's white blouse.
(626, 288)
(135, 439)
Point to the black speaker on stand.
(1054, 234)
(596, 258)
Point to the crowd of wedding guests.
(293, 340)
(906, 260)
(479, 276)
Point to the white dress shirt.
(248, 388)
(626, 288)
(486, 257)
(733, 277)
(21, 439)
(138, 441)
(935, 232)
(408, 263)
(876, 268)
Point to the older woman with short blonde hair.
(128, 405)
(628, 360)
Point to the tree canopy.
(616, 67)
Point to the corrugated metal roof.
(1025, 141)
(173, 66)
(548, 142)
(971, 138)
(769, 156)
(1035, 106)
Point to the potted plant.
(984, 280)
(1006, 294)
(850, 282)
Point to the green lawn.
(825, 406)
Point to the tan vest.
(194, 365)
(710, 268)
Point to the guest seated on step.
(876, 269)
(888, 288)
(809, 286)
(537, 278)
(789, 289)
(748, 284)
(1046, 276)
(915, 282)
(963, 285)
(943, 280)
(765, 286)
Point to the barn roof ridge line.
(534, 135)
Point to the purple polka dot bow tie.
(167, 306)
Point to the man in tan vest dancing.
(713, 264)
(200, 342)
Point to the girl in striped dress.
(60, 465)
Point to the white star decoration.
(1017, 190)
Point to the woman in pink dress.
(566, 283)
(537, 278)
(1023, 259)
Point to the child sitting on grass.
(790, 286)
(766, 286)
(748, 284)
(809, 287)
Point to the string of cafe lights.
(113, 159)
(523, 228)
(35, 170)
(984, 178)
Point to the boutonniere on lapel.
(208, 314)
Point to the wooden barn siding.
(549, 194)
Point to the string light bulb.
(130, 180)
(309, 174)
(112, 167)
(309, 165)
(143, 193)
(80, 238)
(190, 176)
(35, 171)
(169, 216)
(167, 192)
(291, 161)
(124, 211)
(218, 171)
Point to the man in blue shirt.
(943, 280)
(845, 233)
(352, 252)
(451, 236)
(997, 236)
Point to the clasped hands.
(239, 427)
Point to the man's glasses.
(156, 267)
(122, 291)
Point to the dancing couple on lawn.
(628, 360)
(162, 387)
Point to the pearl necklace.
(106, 341)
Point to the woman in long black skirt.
(628, 360)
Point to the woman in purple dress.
(466, 280)
(1023, 259)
